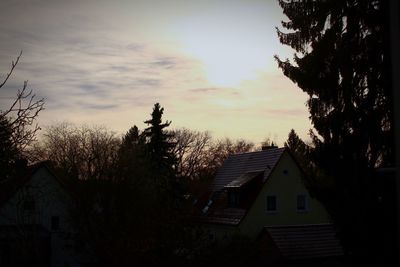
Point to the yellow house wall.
(285, 183)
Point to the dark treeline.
(134, 194)
(343, 62)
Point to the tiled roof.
(239, 170)
(228, 216)
(243, 179)
(305, 241)
(237, 165)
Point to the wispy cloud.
(101, 61)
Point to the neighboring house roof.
(238, 170)
(9, 187)
(305, 241)
(240, 164)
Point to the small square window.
(271, 204)
(301, 203)
(55, 223)
(29, 205)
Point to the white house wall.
(51, 199)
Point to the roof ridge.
(299, 225)
(258, 151)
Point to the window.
(233, 198)
(271, 204)
(302, 203)
(211, 235)
(55, 223)
(29, 205)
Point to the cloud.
(102, 62)
(138, 47)
(204, 90)
(284, 113)
(99, 106)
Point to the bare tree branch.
(13, 64)
(22, 113)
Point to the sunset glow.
(209, 64)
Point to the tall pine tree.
(342, 63)
(158, 147)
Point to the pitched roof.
(305, 241)
(239, 164)
(243, 179)
(9, 187)
(239, 170)
(228, 216)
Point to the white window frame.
(276, 204)
(306, 203)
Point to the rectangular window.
(233, 198)
(29, 205)
(301, 203)
(271, 204)
(55, 223)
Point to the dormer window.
(233, 198)
(240, 189)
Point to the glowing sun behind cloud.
(233, 43)
(209, 63)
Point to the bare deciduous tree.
(199, 155)
(80, 151)
(190, 148)
(22, 113)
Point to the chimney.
(268, 146)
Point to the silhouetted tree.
(190, 150)
(17, 129)
(298, 148)
(80, 152)
(160, 150)
(131, 161)
(22, 113)
(341, 62)
(158, 147)
(9, 153)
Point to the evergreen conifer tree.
(159, 149)
(9, 153)
(342, 61)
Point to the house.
(262, 194)
(36, 227)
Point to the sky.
(208, 63)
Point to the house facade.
(36, 228)
(256, 193)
